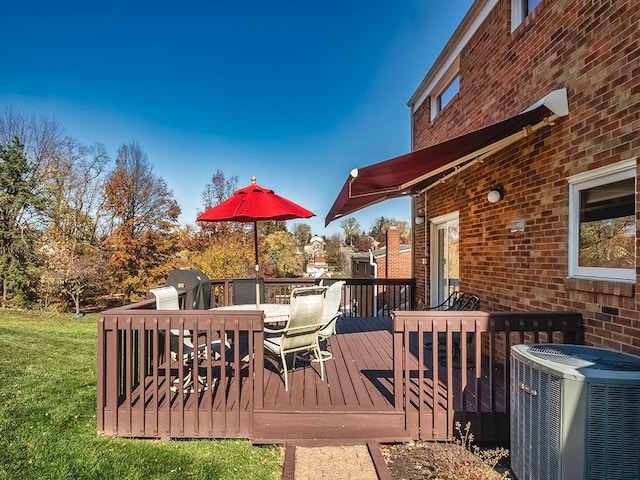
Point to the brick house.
(391, 261)
(537, 102)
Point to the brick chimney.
(393, 252)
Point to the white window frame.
(450, 93)
(445, 81)
(520, 9)
(583, 181)
(436, 223)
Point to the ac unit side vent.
(613, 425)
(535, 401)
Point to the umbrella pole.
(255, 243)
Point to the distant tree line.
(81, 231)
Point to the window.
(446, 88)
(445, 97)
(520, 9)
(602, 223)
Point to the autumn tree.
(220, 249)
(19, 206)
(338, 254)
(283, 257)
(144, 217)
(229, 256)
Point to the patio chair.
(167, 299)
(244, 291)
(300, 334)
(331, 312)
(453, 302)
(471, 303)
(457, 301)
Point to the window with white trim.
(602, 223)
(520, 9)
(447, 87)
(447, 95)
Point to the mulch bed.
(442, 461)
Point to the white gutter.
(375, 275)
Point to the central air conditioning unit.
(575, 413)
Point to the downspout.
(375, 287)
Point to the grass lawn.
(48, 415)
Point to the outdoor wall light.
(496, 194)
(419, 219)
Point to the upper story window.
(602, 226)
(445, 97)
(446, 89)
(520, 9)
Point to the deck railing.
(145, 392)
(361, 297)
(451, 366)
(446, 367)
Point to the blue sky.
(296, 93)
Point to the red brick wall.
(593, 49)
(392, 259)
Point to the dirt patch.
(444, 461)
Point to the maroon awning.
(416, 170)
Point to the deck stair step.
(273, 426)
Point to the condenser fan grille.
(578, 356)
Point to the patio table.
(273, 312)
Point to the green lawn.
(48, 415)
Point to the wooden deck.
(355, 401)
(383, 384)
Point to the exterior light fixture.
(419, 219)
(496, 194)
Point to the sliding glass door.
(445, 274)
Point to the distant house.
(390, 261)
(523, 174)
(317, 266)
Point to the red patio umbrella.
(253, 203)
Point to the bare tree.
(42, 137)
(351, 229)
(381, 224)
(219, 189)
(302, 232)
(73, 182)
(72, 259)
